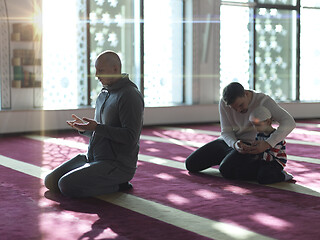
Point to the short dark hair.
(231, 92)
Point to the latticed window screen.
(263, 51)
(280, 2)
(5, 81)
(115, 25)
(64, 53)
(276, 53)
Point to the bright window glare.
(60, 53)
(163, 47)
(234, 46)
(310, 55)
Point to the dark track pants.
(234, 165)
(77, 178)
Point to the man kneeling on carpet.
(114, 137)
(267, 167)
(229, 150)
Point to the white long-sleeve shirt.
(236, 126)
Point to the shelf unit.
(26, 62)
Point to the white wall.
(41, 120)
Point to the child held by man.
(273, 160)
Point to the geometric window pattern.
(280, 2)
(5, 63)
(275, 55)
(82, 76)
(115, 25)
(64, 54)
(272, 43)
(112, 27)
(275, 47)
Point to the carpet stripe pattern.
(166, 202)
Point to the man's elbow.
(132, 137)
(293, 124)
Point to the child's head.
(261, 119)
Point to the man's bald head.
(110, 58)
(108, 68)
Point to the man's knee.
(226, 171)
(51, 183)
(191, 166)
(47, 181)
(228, 168)
(69, 188)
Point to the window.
(116, 25)
(235, 46)
(279, 2)
(265, 53)
(310, 50)
(64, 54)
(276, 52)
(113, 25)
(163, 52)
(259, 48)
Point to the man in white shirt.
(236, 130)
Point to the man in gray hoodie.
(114, 137)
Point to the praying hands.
(84, 124)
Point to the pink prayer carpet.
(29, 211)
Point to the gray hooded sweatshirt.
(119, 113)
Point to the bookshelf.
(26, 62)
